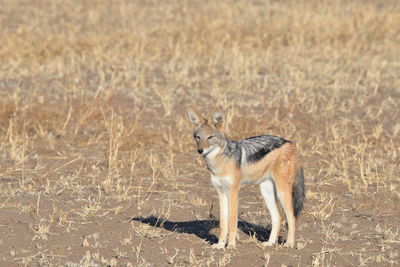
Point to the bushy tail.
(298, 192)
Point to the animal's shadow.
(202, 228)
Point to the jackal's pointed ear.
(194, 116)
(218, 120)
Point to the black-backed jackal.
(267, 160)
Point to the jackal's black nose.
(200, 150)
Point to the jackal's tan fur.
(269, 161)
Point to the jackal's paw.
(231, 246)
(289, 245)
(218, 245)
(268, 244)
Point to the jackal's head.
(208, 133)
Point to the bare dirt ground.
(97, 162)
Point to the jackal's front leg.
(223, 219)
(233, 215)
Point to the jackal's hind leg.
(285, 197)
(268, 192)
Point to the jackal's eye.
(197, 138)
(211, 137)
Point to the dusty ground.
(97, 162)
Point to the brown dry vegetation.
(97, 162)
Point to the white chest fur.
(211, 162)
(221, 182)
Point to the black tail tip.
(299, 193)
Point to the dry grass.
(93, 130)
